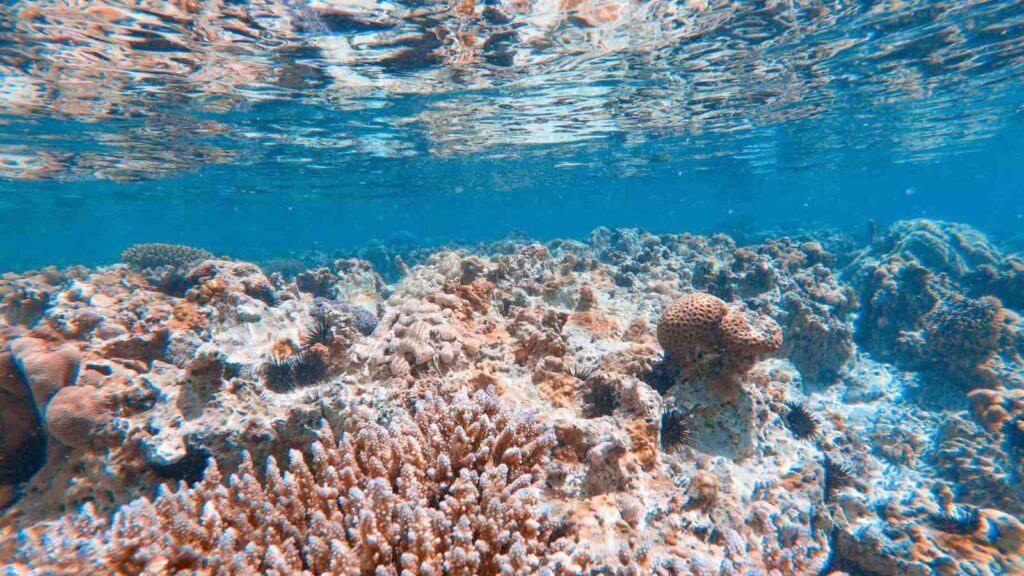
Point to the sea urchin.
(600, 398)
(310, 365)
(837, 476)
(960, 520)
(277, 374)
(320, 330)
(801, 423)
(675, 429)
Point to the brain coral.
(708, 338)
(449, 487)
(74, 413)
(156, 255)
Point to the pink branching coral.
(451, 488)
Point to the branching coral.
(156, 255)
(450, 488)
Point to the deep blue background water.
(271, 209)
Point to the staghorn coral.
(448, 489)
(185, 376)
(144, 256)
(708, 339)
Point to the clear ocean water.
(267, 128)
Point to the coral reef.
(160, 255)
(74, 413)
(451, 488)
(711, 341)
(629, 404)
(929, 298)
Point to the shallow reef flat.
(631, 404)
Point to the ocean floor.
(631, 404)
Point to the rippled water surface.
(260, 107)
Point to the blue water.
(733, 117)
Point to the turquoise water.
(262, 129)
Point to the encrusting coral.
(450, 488)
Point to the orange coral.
(587, 299)
(707, 338)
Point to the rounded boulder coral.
(75, 413)
(707, 338)
(45, 371)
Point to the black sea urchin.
(1013, 430)
(277, 374)
(837, 476)
(310, 365)
(581, 370)
(675, 429)
(320, 330)
(961, 520)
(600, 398)
(802, 423)
(662, 376)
